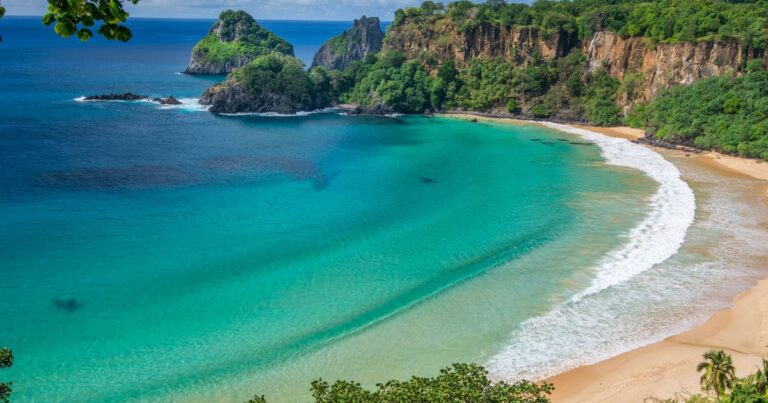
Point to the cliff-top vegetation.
(668, 21)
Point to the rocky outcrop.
(444, 41)
(653, 68)
(233, 41)
(363, 38)
(129, 96)
(273, 83)
(235, 98)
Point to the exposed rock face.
(129, 96)
(363, 38)
(235, 98)
(663, 65)
(444, 41)
(233, 41)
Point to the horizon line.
(198, 18)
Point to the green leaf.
(84, 34)
(64, 29)
(49, 18)
(2, 11)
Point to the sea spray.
(537, 349)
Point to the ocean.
(162, 253)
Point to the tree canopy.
(79, 17)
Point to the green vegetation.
(662, 20)
(459, 383)
(77, 17)
(718, 379)
(561, 88)
(727, 113)
(238, 36)
(719, 372)
(6, 361)
(277, 73)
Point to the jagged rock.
(377, 109)
(363, 38)
(129, 96)
(234, 41)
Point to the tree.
(761, 378)
(459, 383)
(718, 371)
(76, 17)
(6, 361)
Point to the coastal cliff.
(661, 66)
(444, 40)
(365, 37)
(234, 41)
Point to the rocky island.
(234, 41)
(275, 83)
(365, 37)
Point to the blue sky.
(261, 9)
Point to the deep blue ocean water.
(151, 253)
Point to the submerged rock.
(234, 41)
(363, 38)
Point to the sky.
(335, 10)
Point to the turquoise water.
(156, 253)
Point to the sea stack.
(234, 41)
(363, 38)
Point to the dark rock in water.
(427, 181)
(365, 37)
(129, 96)
(581, 143)
(235, 98)
(234, 41)
(473, 120)
(377, 109)
(168, 101)
(69, 305)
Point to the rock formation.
(363, 38)
(272, 83)
(129, 96)
(234, 41)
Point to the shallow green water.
(252, 260)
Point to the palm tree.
(761, 378)
(718, 372)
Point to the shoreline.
(667, 368)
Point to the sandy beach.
(667, 369)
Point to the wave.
(282, 115)
(537, 348)
(187, 104)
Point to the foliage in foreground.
(459, 383)
(726, 113)
(77, 17)
(718, 380)
(6, 361)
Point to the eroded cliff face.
(644, 69)
(444, 41)
(651, 68)
(363, 38)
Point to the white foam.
(187, 104)
(283, 115)
(560, 339)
